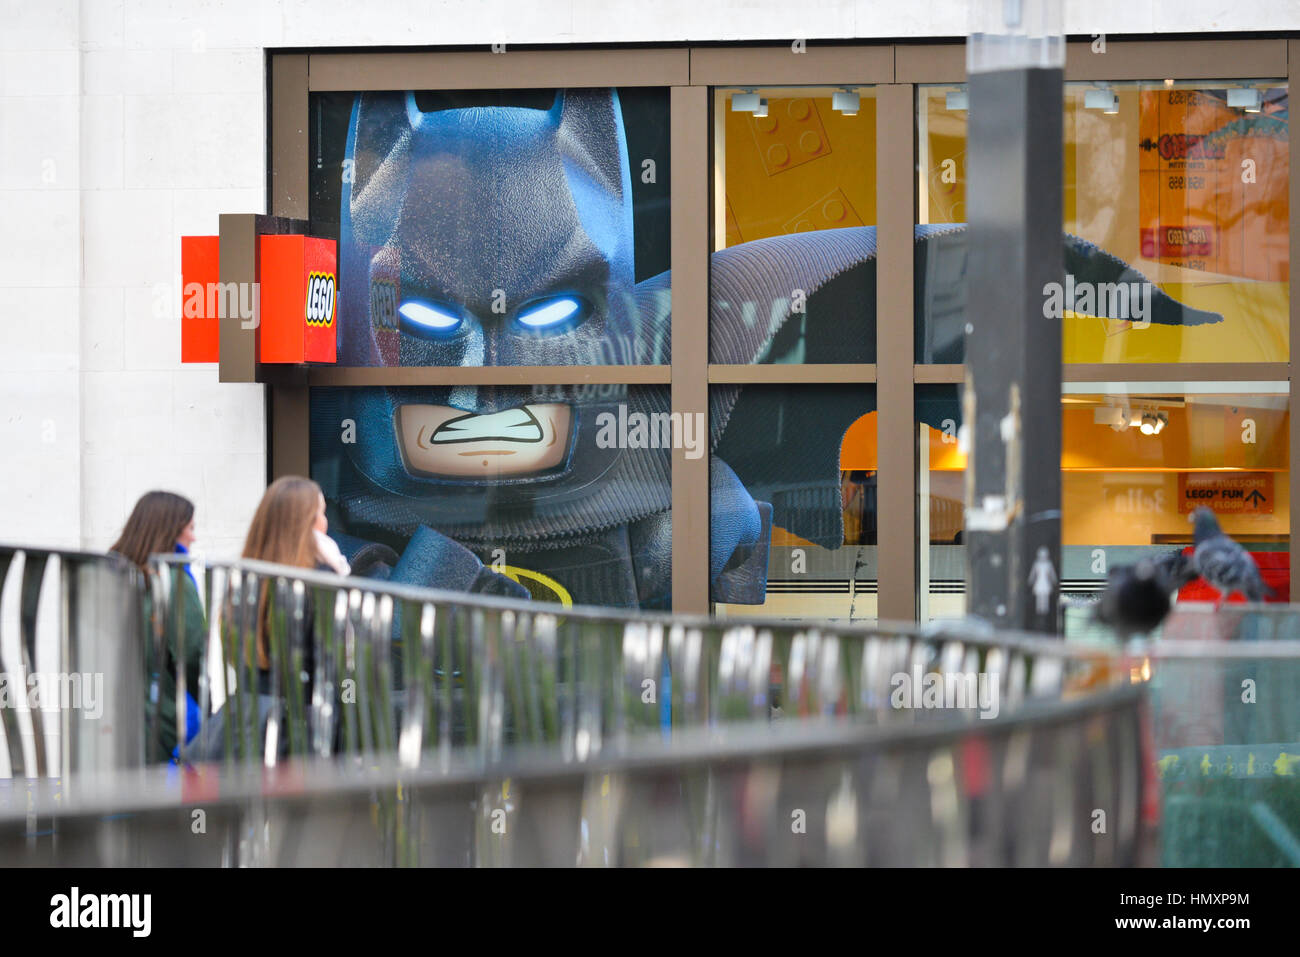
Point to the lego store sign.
(299, 276)
(293, 306)
(1230, 493)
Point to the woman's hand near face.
(322, 523)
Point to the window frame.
(691, 72)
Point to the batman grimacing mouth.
(439, 440)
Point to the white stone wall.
(125, 124)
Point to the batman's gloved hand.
(740, 536)
(433, 560)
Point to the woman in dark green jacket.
(163, 522)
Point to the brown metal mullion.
(1174, 371)
(1123, 60)
(488, 375)
(1126, 60)
(289, 410)
(690, 338)
(782, 374)
(509, 69)
(1136, 372)
(895, 353)
(815, 63)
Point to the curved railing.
(393, 725)
(1054, 784)
(417, 672)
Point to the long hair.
(281, 532)
(153, 527)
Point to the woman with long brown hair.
(289, 529)
(162, 523)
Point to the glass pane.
(496, 228)
(797, 464)
(1137, 463)
(561, 493)
(1176, 213)
(794, 263)
(1137, 460)
(941, 508)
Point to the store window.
(496, 228)
(941, 496)
(1176, 212)
(1137, 460)
(793, 276)
(799, 464)
(558, 493)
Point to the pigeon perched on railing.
(1223, 563)
(1136, 599)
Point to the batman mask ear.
(592, 144)
(380, 122)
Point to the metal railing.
(1024, 790)
(1225, 717)
(72, 673)
(353, 666)
(365, 722)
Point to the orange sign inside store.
(1239, 493)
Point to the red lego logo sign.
(299, 299)
(320, 299)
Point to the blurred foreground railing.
(1225, 710)
(590, 736)
(72, 672)
(1056, 784)
(363, 667)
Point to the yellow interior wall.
(803, 167)
(1107, 175)
(1121, 488)
(1128, 508)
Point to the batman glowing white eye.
(552, 314)
(429, 320)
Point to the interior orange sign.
(1239, 493)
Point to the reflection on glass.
(1136, 462)
(941, 510)
(806, 455)
(793, 269)
(1176, 213)
(496, 228)
(556, 493)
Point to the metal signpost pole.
(1012, 411)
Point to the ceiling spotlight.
(1153, 422)
(956, 100)
(1245, 99)
(762, 108)
(1105, 100)
(745, 102)
(846, 101)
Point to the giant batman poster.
(531, 229)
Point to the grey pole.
(1012, 397)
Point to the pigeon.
(1223, 563)
(1136, 599)
(1176, 567)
